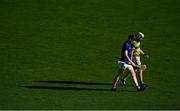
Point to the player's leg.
(132, 72)
(120, 71)
(140, 70)
(124, 79)
(141, 75)
(116, 78)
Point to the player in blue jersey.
(126, 64)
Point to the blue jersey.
(126, 47)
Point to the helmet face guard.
(139, 36)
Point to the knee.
(131, 68)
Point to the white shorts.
(124, 66)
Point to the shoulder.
(127, 43)
(137, 44)
(127, 46)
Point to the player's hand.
(134, 65)
(138, 66)
(142, 67)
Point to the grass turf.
(59, 54)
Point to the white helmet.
(140, 35)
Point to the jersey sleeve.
(126, 47)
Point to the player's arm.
(126, 55)
(144, 54)
(132, 52)
(141, 51)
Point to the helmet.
(139, 35)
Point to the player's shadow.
(74, 82)
(65, 88)
(72, 88)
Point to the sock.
(138, 87)
(113, 86)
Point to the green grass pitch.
(59, 54)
